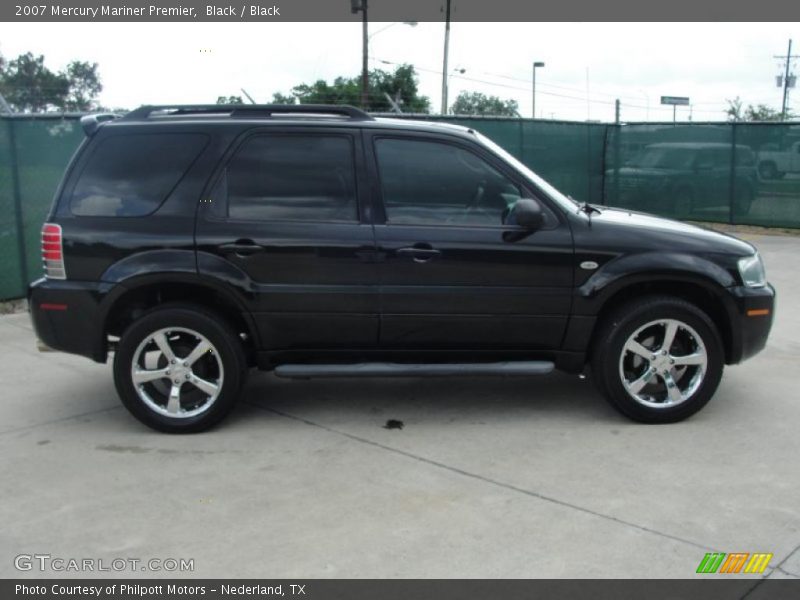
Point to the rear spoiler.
(91, 123)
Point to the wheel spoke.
(673, 391)
(141, 376)
(174, 403)
(637, 384)
(669, 335)
(637, 348)
(163, 344)
(202, 347)
(698, 358)
(204, 386)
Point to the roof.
(268, 114)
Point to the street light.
(533, 100)
(460, 71)
(361, 6)
(382, 29)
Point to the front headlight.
(751, 268)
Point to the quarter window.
(436, 183)
(293, 177)
(131, 175)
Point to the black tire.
(768, 170)
(618, 327)
(743, 201)
(185, 319)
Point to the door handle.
(241, 248)
(419, 254)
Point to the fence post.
(15, 190)
(732, 180)
(617, 129)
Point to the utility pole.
(356, 6)
(533, 95)
(787, 78)
(444, 62)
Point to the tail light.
(53, 252)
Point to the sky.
(587, 65)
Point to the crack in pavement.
(778, 567)
(489, 480)
(61, 420)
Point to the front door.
(285, 225)
(454, 275)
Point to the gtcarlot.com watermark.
(58, 564)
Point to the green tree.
(84, 86)
(761, 112)
(29, 86)
(229, 100)
(278, 98)
(401, 86)
(475, 103)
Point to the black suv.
(196, 242)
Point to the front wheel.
(179, 369)
(658, 359)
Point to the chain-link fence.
(730, 173)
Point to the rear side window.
(131, 175)
(293, 177)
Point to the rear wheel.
(179, 369)
(743, 201)
(658, 360)
(768, 170)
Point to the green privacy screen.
(723, 172)
(34, 152)
(730, 173)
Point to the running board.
(524, 368)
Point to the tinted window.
(131, 175)
(293, 177)
(436, 183)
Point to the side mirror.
(527, 213)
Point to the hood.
(659, 233)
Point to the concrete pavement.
(488, 478)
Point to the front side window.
(131, 175)
(430, 183)
(293, 177)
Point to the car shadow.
(429, 400)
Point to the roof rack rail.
(249, 110)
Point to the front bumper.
(751, 321)
(67, 316)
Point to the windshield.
(663, 158)
(565, 201)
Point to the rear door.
(453, 275)
(286, 224)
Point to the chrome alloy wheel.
(663, 363)
(177, 372)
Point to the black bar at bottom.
(716, 587)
